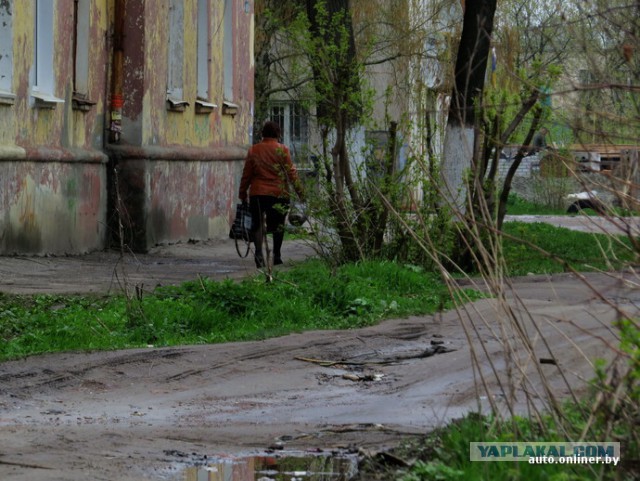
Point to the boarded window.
(176, 49)
(6, 46)
(228, 49)
(203, 50)
(43, 72)
(82, 19)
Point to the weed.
(433, 471)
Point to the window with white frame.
(82, 18)
(43, 79)
(203, 50)
(203, 104)
(228, 50)
(6, 50)
(176, 55)
(293, 119)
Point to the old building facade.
(121, 121)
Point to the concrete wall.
(178, 170)
(52, 206)
(528, 165)
(52, 169)
(168, 195)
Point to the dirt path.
(107, 271)
(123, 415)
(129, 415)
(101, 272)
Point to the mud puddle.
(283, 466)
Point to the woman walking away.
(268, 172)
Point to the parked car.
(585, 200)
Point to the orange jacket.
(268, 170)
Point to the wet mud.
(127, 415)
(116, 415)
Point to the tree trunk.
(381, 215)
(471, 66)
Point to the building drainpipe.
(117, 99)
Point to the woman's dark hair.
(271, 130)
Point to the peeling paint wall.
(201, 210)
(147, 120)
(52, 168)
(51, 207)
(179, 168)
(171, 195)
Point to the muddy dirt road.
(120, 415)
(128, 415)
(108, 271)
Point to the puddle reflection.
(276, 468)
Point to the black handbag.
(241, 228)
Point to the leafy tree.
(337, 83)
(606, 42)
(319, 60)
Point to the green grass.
(444, 454)
(518, 206)
(579, 250)
(309, 296)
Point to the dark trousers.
(275, 210)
